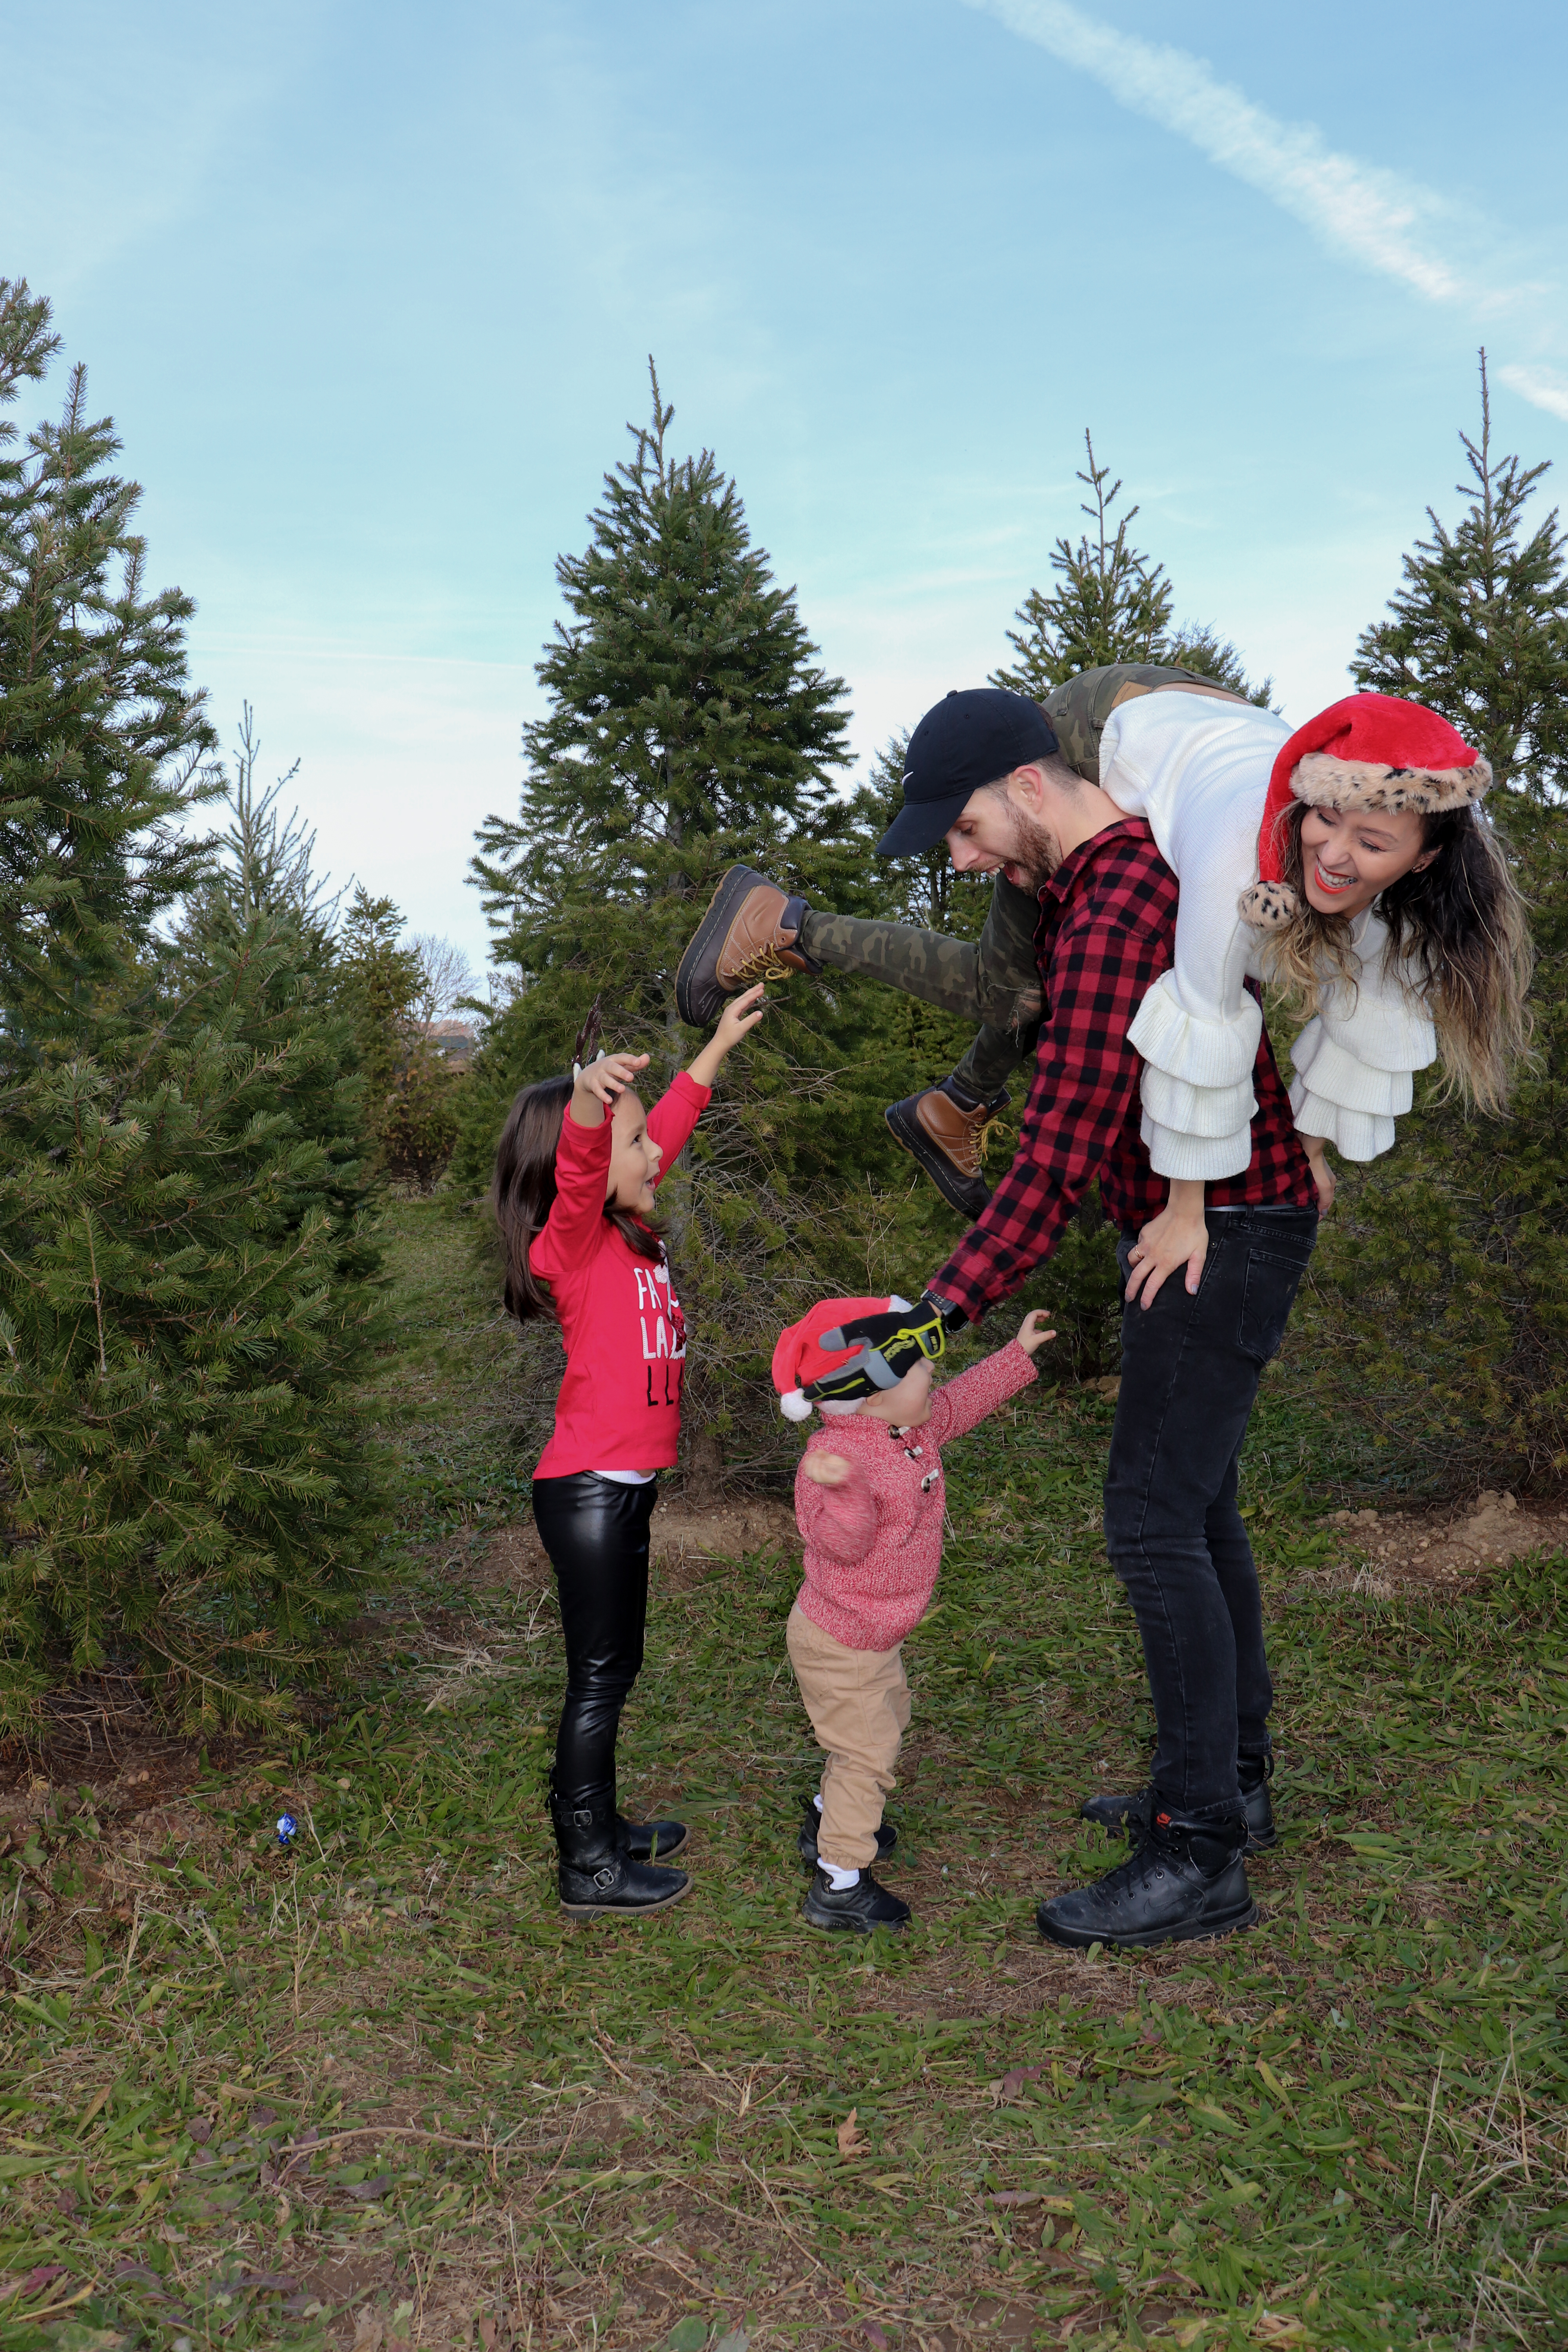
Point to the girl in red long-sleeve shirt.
(574, 1192)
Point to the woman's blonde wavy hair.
(1457, 934)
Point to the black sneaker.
(1186, 1880)
(1131, 1815)
(859, 1908)
(806, 1843)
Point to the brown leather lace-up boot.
(948, 1138)
(748, 934)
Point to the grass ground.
(371, 2089)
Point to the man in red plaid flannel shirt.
(983, 770)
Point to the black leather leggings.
(595, 1533)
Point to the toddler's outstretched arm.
(988, 1384)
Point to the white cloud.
(1376, 217)
(1541, 386)
(1368, 212)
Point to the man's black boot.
(650, 1840)
(859, 1908)
(1187, 1879)
(1131, 1815)
(595, 1873)
(806, 1843)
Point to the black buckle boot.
(859, 1908)
(1129, 1814)
(650, 1840)
(1186, 1880)
(595, 1873)
(806, 1843)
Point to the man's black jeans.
(1190, 1370)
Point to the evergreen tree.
(690, 725)
(1111, 604)
(187, 1286)
(103, 743)
(1479, 630)
(1444, 1277)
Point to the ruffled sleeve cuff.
(1175, 1152)
(1204, 1049)
(1349, 1102)
(1197, 1083)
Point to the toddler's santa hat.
(1369, 751)
(802, 1364)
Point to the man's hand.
(1322, 1174)
(827, 1469)
(894, 1343)
(1176, 1237)
(1032, 1333)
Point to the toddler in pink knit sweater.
(869, 1502)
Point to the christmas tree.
(1444, 1274)
(1479, 629)
(1110, 602)
(188, 1292)
(690, 725)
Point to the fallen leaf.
(736, 2341)
(874, 2336)
(1015, 2197)
(852, 2140)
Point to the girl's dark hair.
(1458, 929)
(523, 1194)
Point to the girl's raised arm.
(572, 1230)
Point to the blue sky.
(370, 291)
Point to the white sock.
(839, 1880)
(816, 1800)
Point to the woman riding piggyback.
(577, 1169)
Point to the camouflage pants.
(993, 979)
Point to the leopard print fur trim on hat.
(1323, 782)
(1268, 906)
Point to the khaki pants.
(858, 1703)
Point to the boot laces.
(969, 1153)
(764, 963)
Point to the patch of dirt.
(1393, 1553)
(682, 1532)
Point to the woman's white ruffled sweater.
(1197, 770)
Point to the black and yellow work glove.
(891, 1345)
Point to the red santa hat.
(1369, 751)
(800, 1358)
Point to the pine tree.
(187, 1282)
(1480, 631)
(104, 746)
(690, 725)
(1444, 1277)
(1111, 604)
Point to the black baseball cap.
(965, 740)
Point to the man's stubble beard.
(1036, 852)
